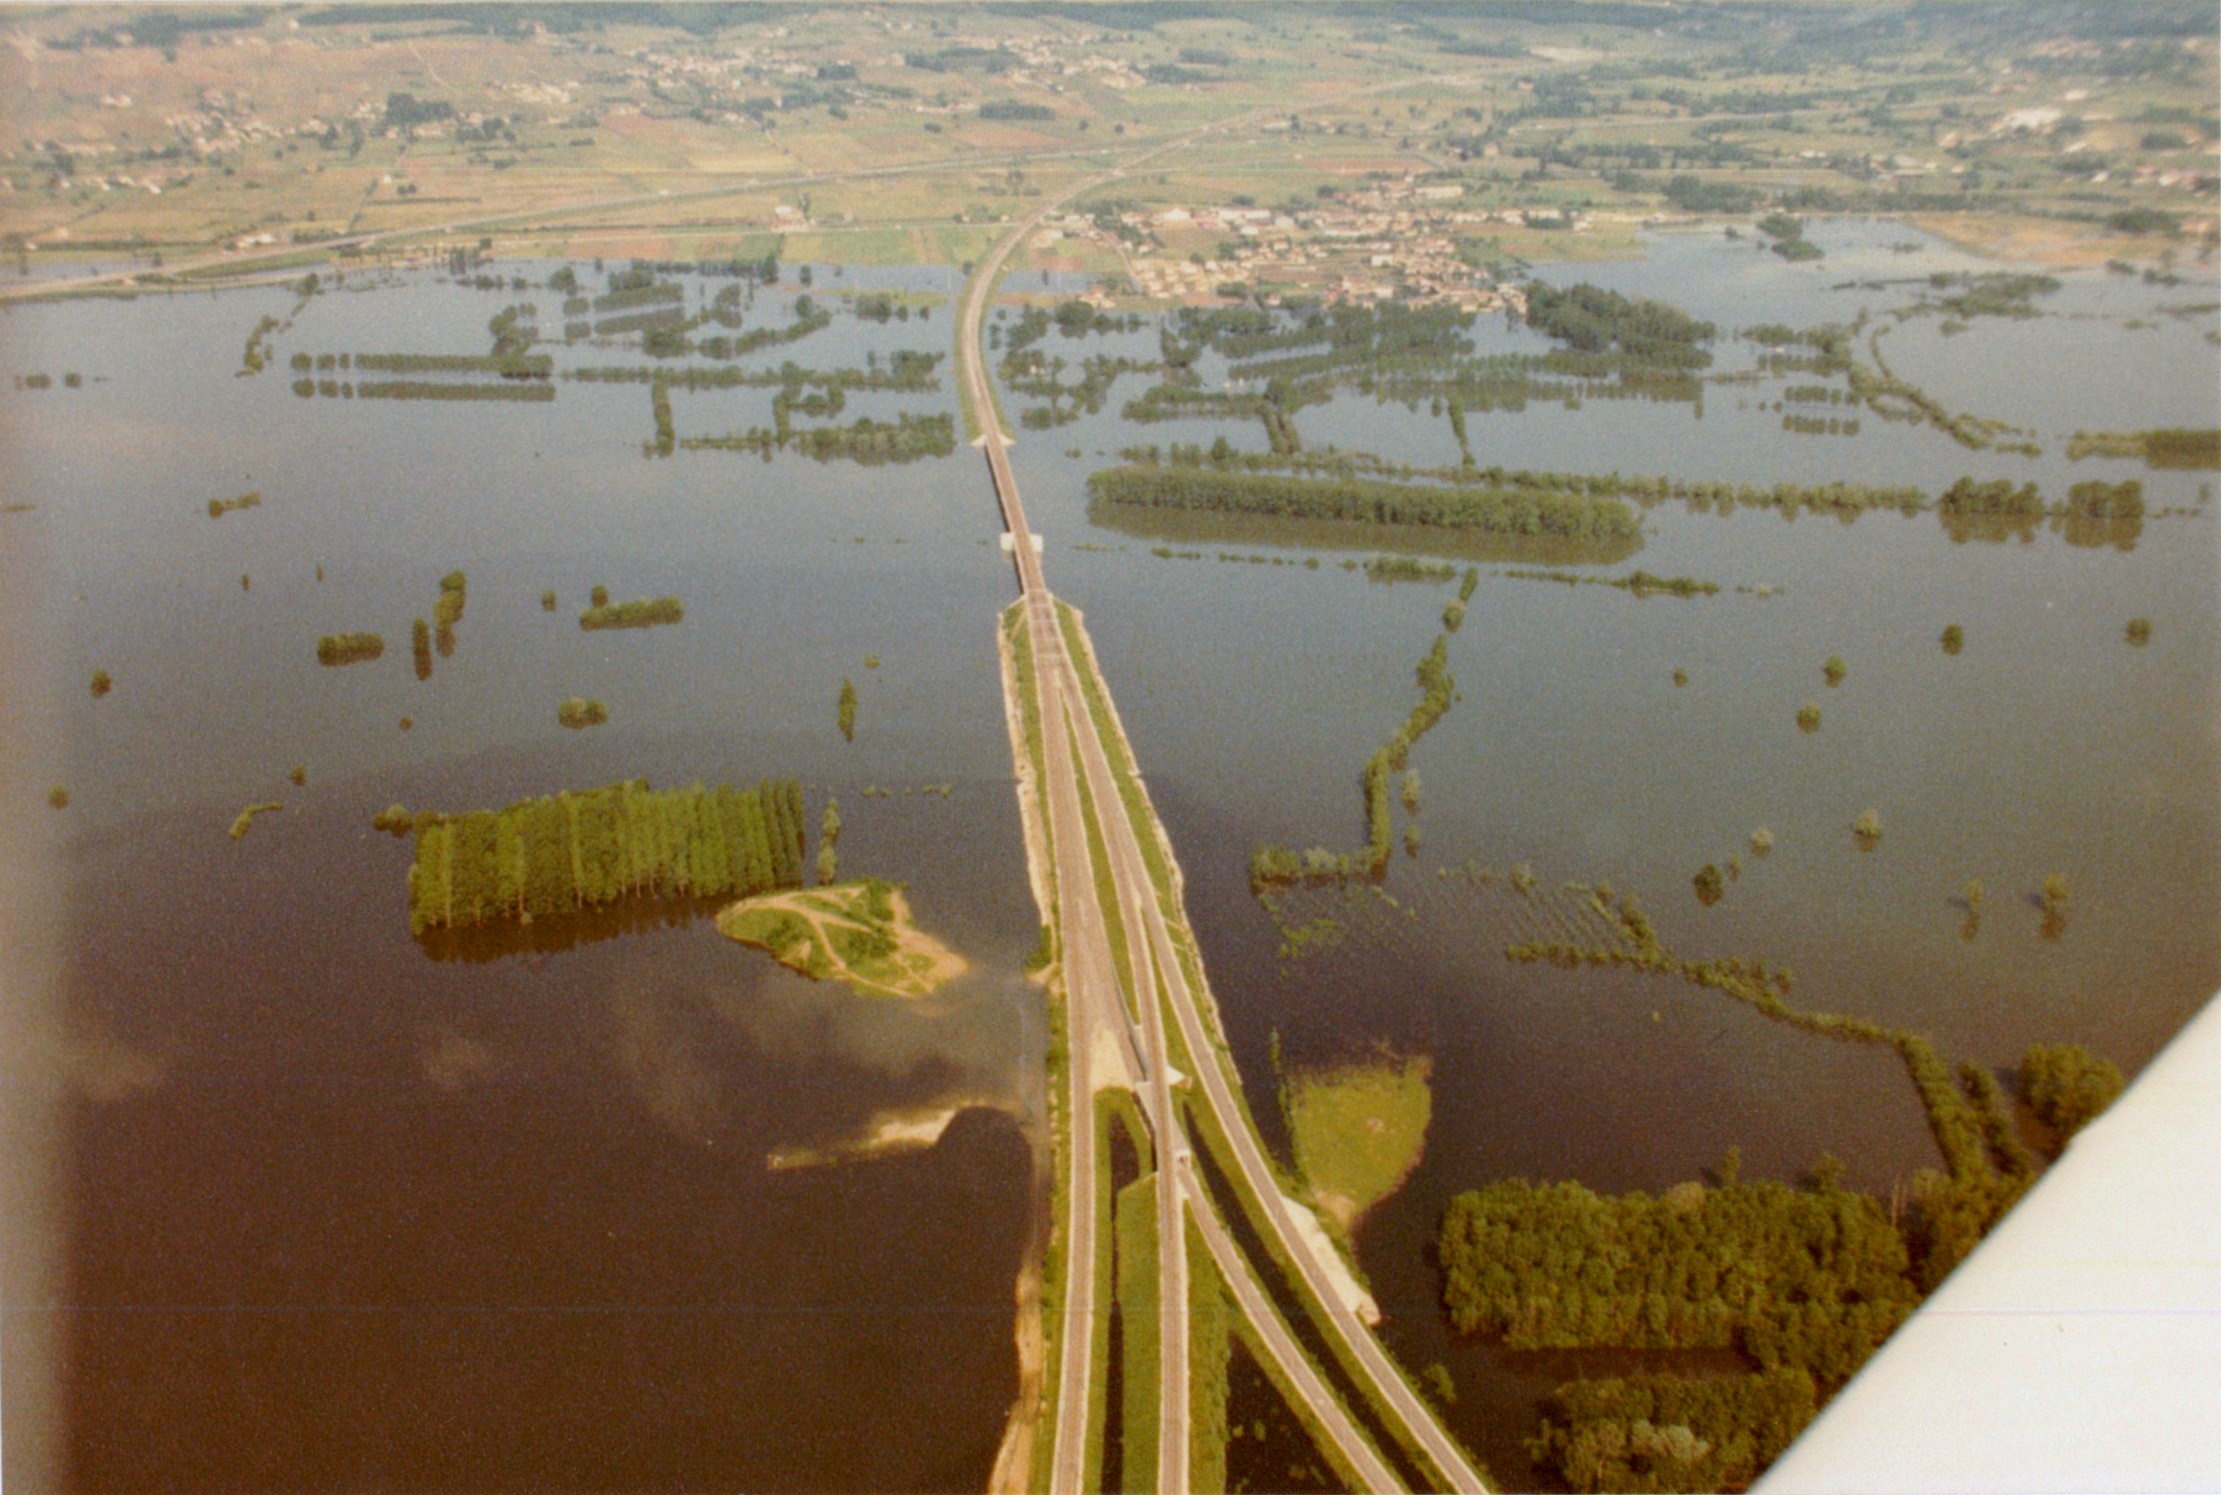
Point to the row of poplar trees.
(581, 849)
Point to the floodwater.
(1254, 694)
(332, 1211)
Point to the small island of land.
(858, 933)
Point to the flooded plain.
(336, 1211)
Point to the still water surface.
(340, 1213)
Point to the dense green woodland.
(1666, 1432)
(1808, 1279)
(578, 850)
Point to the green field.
(1358, 1130)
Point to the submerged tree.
(349, 648)
(2052, 898)
(2139, 631)
(240, 826)
(1710, 886)
(102, 684)
(1954, 639)
(1868, 829)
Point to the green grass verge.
(1056, 1265)
(1141, 814)
(1137, 1316)
(1211, 1315)
(1204, 1128)
(1021, 666)
(1113, 1109)
(1328, 1451)
(1114, 922)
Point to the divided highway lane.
(1090, 984)
(1138, 893)
(1057, 683)
(1272, 1331)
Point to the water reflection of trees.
(550, 934)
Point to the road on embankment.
(1159, 979)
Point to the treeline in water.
(1882, 391)
(1992, 293)
(447, 610)
(1496, 511)
(1038, 376)
(579, 712)
(642, 321)
(219, 507)
(906, 371)
(666, 430)
(1993, 511)
(1839, 499)
(809, 318)
(1640, 583)
(1820, 425)
(643, 272)
(906, 438)
(2099, 513)
(244, 822)
(1413, 354)
(1984, 1172)
(507, 365)
(1591, 319)
(654, 293)
(2171, 447)
(1275, 868)
(428, 389)
(1390, 569)
(581, 850)
(644, 612)
(348, 648)
(1670, 1432)
(2095, 513)
(1351, 338)
(258, 345)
